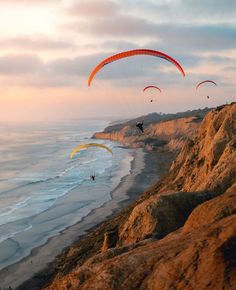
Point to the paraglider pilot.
(92, 177)
(139, 125)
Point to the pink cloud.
(35, 43)
(20, 2)
(94, 8)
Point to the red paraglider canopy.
(206, 81)
(149, 87)
(133, 53)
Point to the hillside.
(180, 234)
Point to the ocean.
(42, 190)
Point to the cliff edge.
(180, 234)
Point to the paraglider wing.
(133, 53)
(85, 146)
(154, 87)
(206, 81)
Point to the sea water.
(42, 190)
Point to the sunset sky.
(49, 47)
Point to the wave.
(14, 233)
(15, 207)
(62, 173)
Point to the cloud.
(94, 8)
(182, 11)
(116, 26)
(213, 8)
(20, 64)
(178, 36)
(46, 81)
(140, 67)
(230, 68)
(28, 2)
(36, 43)
(77, 66)
(30, 70)
(67, 71)
(118, 45)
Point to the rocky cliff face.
(204, 168)
(181, 234)
(209, 161)
(202, 258)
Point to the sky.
(48, 48)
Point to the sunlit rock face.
(181, 234)
(209, 162)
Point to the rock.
(159, 215)
(212, 211)
(110, 240)
(209, 161)
(202, 259)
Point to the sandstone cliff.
(172, 132)
(180, 234)
(206, 166)
(209, 161)
(199, 258)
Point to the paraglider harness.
(92, 177)
(139, 125)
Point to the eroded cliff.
(202, 258)
(180, 234)
(209, 161)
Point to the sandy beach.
(141, 176)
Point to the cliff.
(208, 162)
(180, 234)
(172, 131)
(205, 167)
(199, 258)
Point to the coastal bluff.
(181, 232)
(171, 130)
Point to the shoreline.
(128, 189)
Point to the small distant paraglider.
(206, 81)
(93, 177)
(151, 87)
(203, 82)
(86, 146)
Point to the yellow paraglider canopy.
(85, 146)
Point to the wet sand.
(143, 173)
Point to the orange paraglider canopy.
(133, 53)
